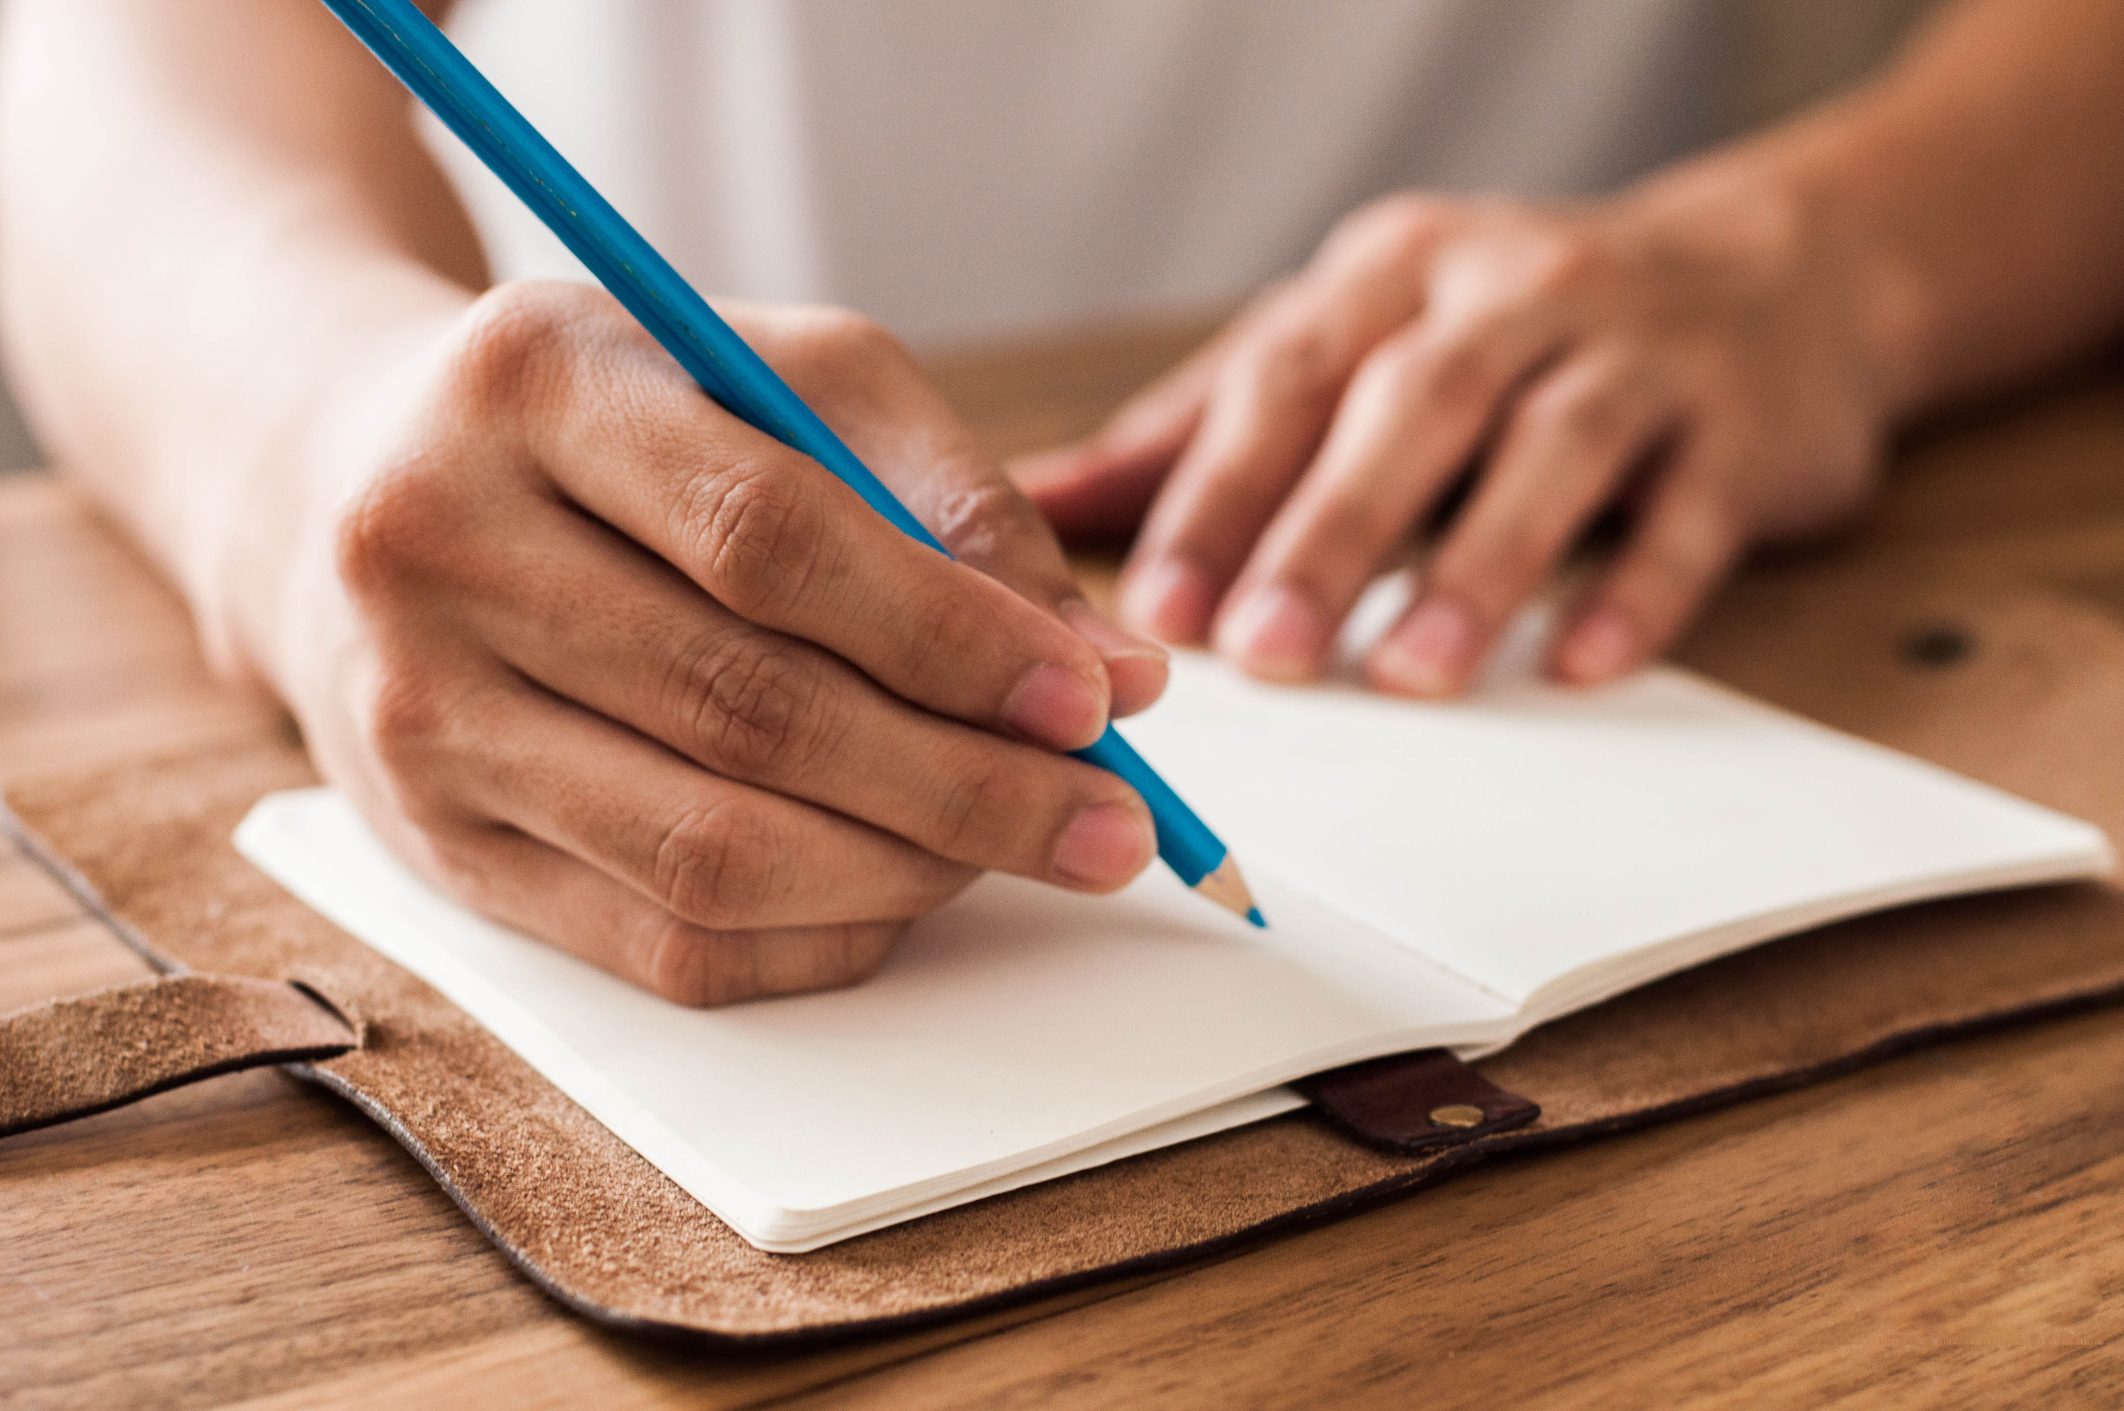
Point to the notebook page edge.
(1537, 999)
(1588, 985)
(1240, 1112)
(272, 837)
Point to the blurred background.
(1784, 53)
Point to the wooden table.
(1940, 1229)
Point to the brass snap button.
(1458, 1114)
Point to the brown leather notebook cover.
(2022, 689)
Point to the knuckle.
(747, 704)
(756, 537)
(951, 640)
(824, 958)
(1459, 373)
(689, 967)
(395, 528)
(717, 864)
(1397, 227)
(1681, 552)
(942, 882)
(1334, 526)
(979, 514)
(685, 967)
(1567, 262)
(461, 862)
(407, 721)
(512, 337)
(973, 798)
(1445, 375)
(1293, 362)
(1585, 416)
(862, 951)
(828, 340)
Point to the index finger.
(775, 537)
(909, 435)
(1273, 401)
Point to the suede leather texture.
(92, 1052)
(2033, 700)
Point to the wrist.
(1781, 212)
(265, 543)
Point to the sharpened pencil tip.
(1225, 886)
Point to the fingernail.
(1430, 654)
(1057, 707)
(1172, 600)
(1137, 668)
(1275, 632)
(1110, 640)
(1600, 648)
(1105, 845)
(1057, 465)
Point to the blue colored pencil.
(724, 365)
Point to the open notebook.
(1433, 875)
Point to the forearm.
(1971, 191)
(218, 221)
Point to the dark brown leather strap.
(73, 1057)
(1415, 1101)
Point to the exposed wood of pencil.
(1226, 886)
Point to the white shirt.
(970, 167)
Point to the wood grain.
(1937, 1230)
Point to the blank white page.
(1019, 1026)
(1558, 845)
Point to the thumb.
(1095, 492)
(1100, 488)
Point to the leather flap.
(1418, 1101)
(73, 1057)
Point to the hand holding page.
(1438, 875)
